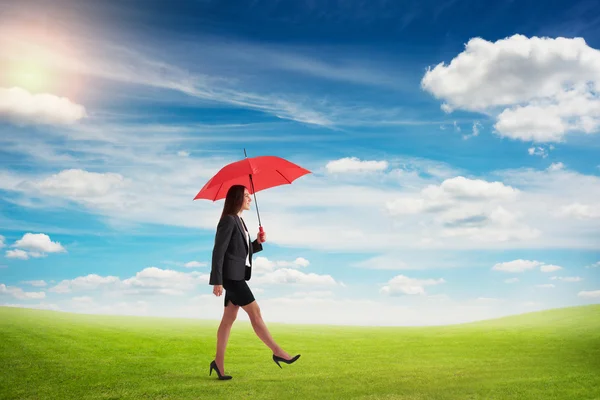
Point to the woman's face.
(247, 200)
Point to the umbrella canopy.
(256, 173)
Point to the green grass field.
(54, 355)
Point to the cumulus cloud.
(34, 245)
(22, 107)
(550, 268)
(163, 281)
(556, 166)
(581, 211)
(295, 277)
(20, 293)
(18, 254)
(538, 151)
(353, 164)
(80, 184)
(262, 265)
(466, 207)
(465, 188)
(450, 191)
(594, 265)
(516, 266)
(88, 282)
(590, 294)
(540, 89)
(151, 280)
(401, 284)
(194, 264)
(38, 243)
(2, 238)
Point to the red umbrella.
(257, 173)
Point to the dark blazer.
(229, 252)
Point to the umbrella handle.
(261, 230)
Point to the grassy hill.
(544, 355)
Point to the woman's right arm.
(222, 238)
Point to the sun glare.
(38, 60)
(31, 75)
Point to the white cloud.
(589, 294)
(516, 266)
(545, 286)
(88, 282)
(21, 107)
(38, 283)
(318, 206)
(567, 278)
(151, 280)
(294, 277)
(556, 166)
(594, 265)
(401, 284)
(450, 193)
(17, 254)
(538, 151)
(550, 268)
(403, 206)
(2, 238)
(262, 265)
(547, 92)
(581, 211)
(80, 184)
(463, 207)
(475, 130)
(194, 264)
(182, 153)
(20, 293)
(163, 281)
(38, 243)
(511, 280)
(461, 187)
(353, 165)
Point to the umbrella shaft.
(255, 202)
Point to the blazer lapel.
(242, 231)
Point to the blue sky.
(453, 146)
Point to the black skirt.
(237, 292)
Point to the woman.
(231, 268)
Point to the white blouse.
(248, 241)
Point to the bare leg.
(262, 331)
(229, 316)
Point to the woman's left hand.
(262, 238)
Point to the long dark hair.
(234, 200)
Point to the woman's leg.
(262, 331)
(229, 316)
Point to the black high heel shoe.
(213, 365)
(277, 359)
